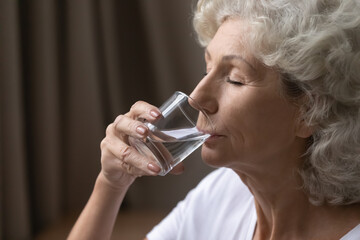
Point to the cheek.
(229, 148)
(256, 126)
(269, 126)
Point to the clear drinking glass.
(176, 134)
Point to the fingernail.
(153, 167)
(154, 113)
(141, 130)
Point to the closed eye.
(234, 82)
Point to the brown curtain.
(67, 69)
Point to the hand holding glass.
(178, 133)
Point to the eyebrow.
(231, 57)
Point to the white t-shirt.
(220, 207)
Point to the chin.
(212, 158)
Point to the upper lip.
(207, 131)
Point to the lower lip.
(212, 139)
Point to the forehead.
(231, 36)
(231, 39)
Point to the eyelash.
(233, 82)
(229, 80)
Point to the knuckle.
(127, 167)
(114, 126)
(119, 119)
(136, 105)
(103, 144)
(125, 153)
(133, 171)
(131, 124)
(109, 129)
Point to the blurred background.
(67, 69)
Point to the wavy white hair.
(315, 44)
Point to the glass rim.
(198, 108)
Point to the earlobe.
(304, 130)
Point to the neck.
(284, 211)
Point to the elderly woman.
(282, 88)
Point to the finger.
(178, 169)
(125, 125)
(113, 164)
(144, 110)
(112, 172)
(129, 159)
(116, 168)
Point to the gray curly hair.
(315, 44)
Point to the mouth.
(206, 131)
(213, 140)
(209, 130)
(214, 137)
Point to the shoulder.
(219, 203)
(222, 188)
(222, 202)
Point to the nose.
(204, 94)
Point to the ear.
(304, 130)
